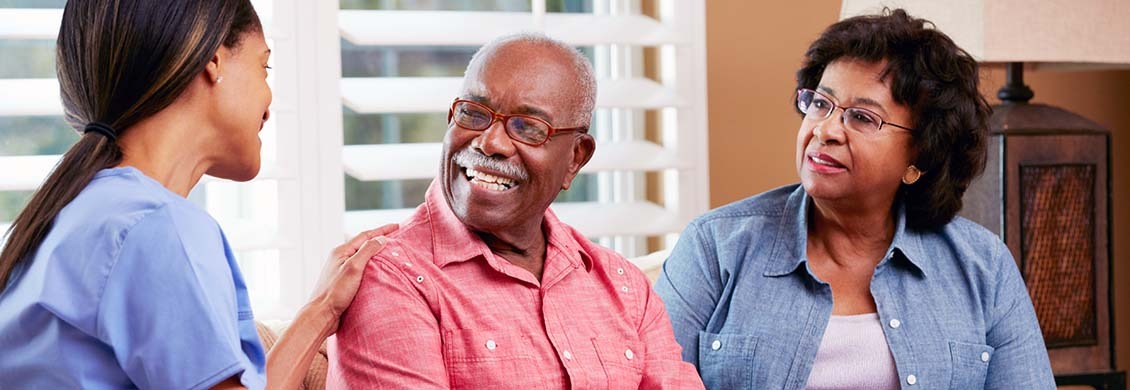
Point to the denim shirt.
(750, 313)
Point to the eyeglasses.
(526, 129)
(817, 106)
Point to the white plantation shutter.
(26, 97)
(320, 138)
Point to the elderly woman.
(861, 276)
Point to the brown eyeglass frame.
(495, 117)
(882, 122)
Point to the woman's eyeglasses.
(817, 106)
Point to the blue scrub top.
(134, 286)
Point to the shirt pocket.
(726, 361)
(969, 364)
(478, 359)
(622, 361)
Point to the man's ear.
(583, 148)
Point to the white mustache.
(470, 159)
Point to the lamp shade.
(1045, 33)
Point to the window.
(361, 90)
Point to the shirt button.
(491, 345)
(985, 356)
(568, 355)
(420, 279)
(619, 271)
(395, 254)
(624, 289)
(911, 379)
(895, 323)
(716, 345)
(629, 354)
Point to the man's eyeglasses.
(817, 106)
(526, 129)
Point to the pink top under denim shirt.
(750, 314)
(436, 309)
(853, 355)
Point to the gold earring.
(911, 176)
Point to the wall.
(753, 50)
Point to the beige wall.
(753, 50)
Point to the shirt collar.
(452, 241)
(791, 240)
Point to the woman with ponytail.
(110, 278)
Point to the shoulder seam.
(117, 257)
(385, 262)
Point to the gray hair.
(582, 68)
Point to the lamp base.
(1046, 192)
(1014, 89)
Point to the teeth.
(822, 162)
(489, 181)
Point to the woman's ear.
(212, 69)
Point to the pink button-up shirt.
(437, 309)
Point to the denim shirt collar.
(790, 247)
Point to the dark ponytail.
(119, 62)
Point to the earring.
(911, 176)
(219, 79)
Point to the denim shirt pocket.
(969, 364)
(726, 361)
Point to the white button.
(420, 279)
(629, 354)
(568, 355)
(491, 345)
(895, 323)
(911, 379)
(984, 356)
(624, 289)
(395, 254)
(619, 271)
(716, 345)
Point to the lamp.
(1046, 187)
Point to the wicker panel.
(1058, 249)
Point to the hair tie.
(101, 128)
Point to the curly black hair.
(938, 81)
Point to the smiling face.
(839, 164)
(240, 107)
(493, 183)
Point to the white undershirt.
(854, 355)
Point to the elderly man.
(483, 287)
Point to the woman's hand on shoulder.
(341, 275)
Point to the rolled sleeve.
(389, 337)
